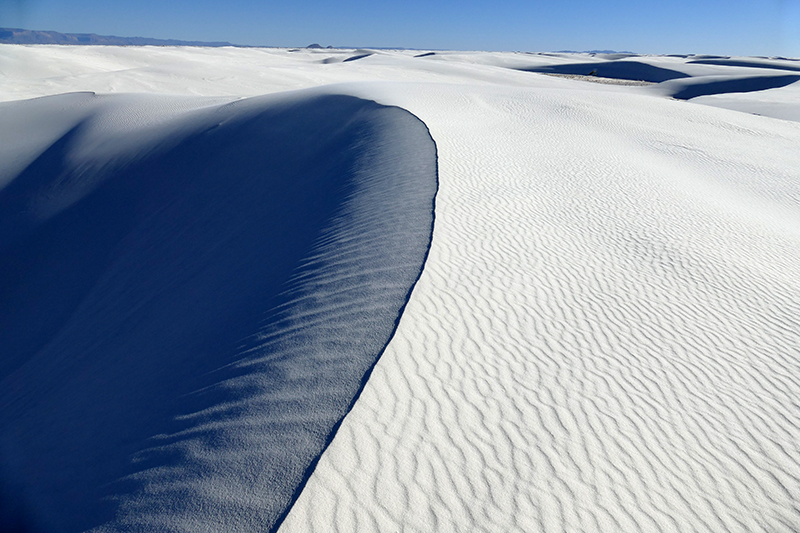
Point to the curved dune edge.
(203, 313)
(604, 338)
(365, 379)
(774, 65)
(621, 70)
(711, 87)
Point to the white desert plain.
(252, 289)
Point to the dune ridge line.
(310, 470)
(215, 306)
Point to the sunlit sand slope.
(189, 306)
(606, 335)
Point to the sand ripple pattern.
(606, 335)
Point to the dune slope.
(707, 87)
(623, 70)
(184, 323)
(606, 335)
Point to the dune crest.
(189, 323)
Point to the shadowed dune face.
(621, 70)
(705, 87)
(14, 515)
(744, 63)
(356, 57)
(180, 341)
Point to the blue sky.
(732, 27)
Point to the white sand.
(606, 334)
(782, 103)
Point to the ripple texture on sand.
(606, 335)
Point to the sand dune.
(773, 65)
(781, 103)
(357, 57)
(624, 70)
(604, 336)
(186, 326)
(712, 85)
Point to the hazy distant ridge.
(19, 36)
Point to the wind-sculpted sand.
(605, 335)
(184, 326)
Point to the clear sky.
(730, 27)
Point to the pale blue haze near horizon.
(732, 27)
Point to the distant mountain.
(593, 52)
(19, 36)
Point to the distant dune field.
(368, 290)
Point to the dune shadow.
(737, 85)
(743, 63)
(15, 517)
(620, 70)
(180, 343)
(35, 300)
(356, 57)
